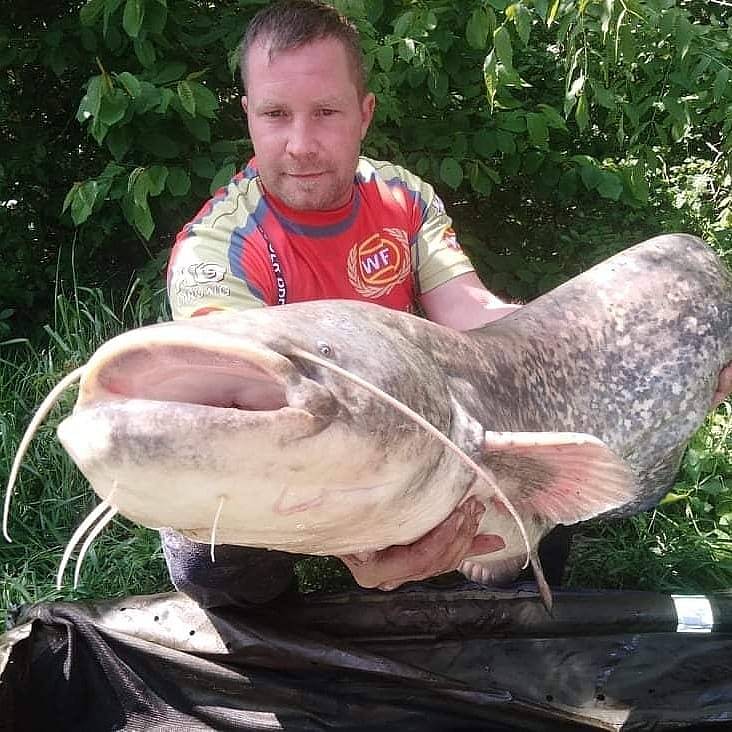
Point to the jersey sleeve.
(217, 263)
(438, 255)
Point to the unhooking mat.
(415, 659)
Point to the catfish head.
(176, 417)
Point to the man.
(310, 219)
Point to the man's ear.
(245, 104)
(368, 104)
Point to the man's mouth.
(307, 176)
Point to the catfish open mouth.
(189, 375)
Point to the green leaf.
(538, 129)
(91, 12)
(484, 143)
(581, 113)
(721, 83)
(610, 185)
(438, 83)
(143, 221)
(416, 76)
(93, 97)
(553, 118)
(83, 201)
(553, 9)
(573, 92)
(166, 97)
(512, 122)
(385, 57)
(119, 141)
(138, 186)
(477, 28)
(130, 83)
(198, 127)
(160, 145)
(169, 71)
(205, 100)
(113, 107)
(110, 8)
(403, 23)
(133, 16)
(148, 99)
(591, 176)
(479, 180)
(504, 49)
(178, 181)
(506, 142)
(187, 100)
(222, 177)
(407, 49)
(203, 167)
(99, 130)
(156, 177)
(567, 186)
(70, 196)
(451, 172)
(145, 52)
(521, 17)
(156, 16)
(605, 98)
(490, 76)
(638, 183)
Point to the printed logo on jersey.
(449, 238)
(378, 264)
(199, 280)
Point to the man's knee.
(238, 576)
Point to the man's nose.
(301, 139)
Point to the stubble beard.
(328, 192)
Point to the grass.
(51, 496)
(684, 546)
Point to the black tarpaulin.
(417, 659)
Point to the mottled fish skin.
(630, 352)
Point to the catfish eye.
(324, 349)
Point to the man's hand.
(724, 387)
(441, 550)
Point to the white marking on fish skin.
(431, 429)
(222, 499)
(38, 417)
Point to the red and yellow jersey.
(245, 248)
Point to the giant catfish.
(230, 429)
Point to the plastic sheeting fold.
(417, 659)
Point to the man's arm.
(463, 303)
(724, 387)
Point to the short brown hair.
(289, 24)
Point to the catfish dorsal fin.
(564, 477)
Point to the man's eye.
(274, 113)
(327, 112)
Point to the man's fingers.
(440, 550)
(724, 386)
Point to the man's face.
(306, 120)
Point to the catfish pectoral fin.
(558, 477)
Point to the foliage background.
(557, 131)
